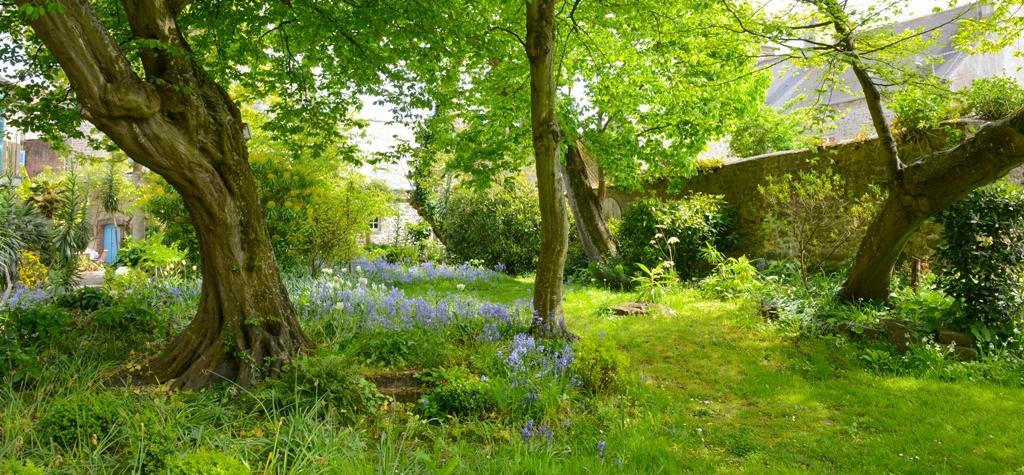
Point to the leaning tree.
(152, 75)
(836, 37)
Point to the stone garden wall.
(860, 164)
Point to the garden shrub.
(993, 98)
(611, 272)
(77, 419)
(983, 257)
(598, 364)
(31, 271)
(152, 255)
(396, 253)
(148, 439)
(316, 217)
(127, 317)
(326, 386)
(38, 323)
(653, 231)
(920, 110)
(86, 299)
(497, 225)
(458, 393)
(812, 219)
(206, 462)
(393, 348)
(766, 131)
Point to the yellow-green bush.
(31, 271)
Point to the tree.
(151, 75)
(877, 57)
(547, 144)
(640, 87)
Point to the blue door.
(111, 242)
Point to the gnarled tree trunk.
(547, 141)
(586, 206)
(929, 185)
(189, 131)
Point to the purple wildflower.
(600, 449)
(527, 430)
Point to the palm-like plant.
(71, 231)
(23, 228)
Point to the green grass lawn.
(716, 389)
(709, 387)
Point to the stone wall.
(860, 164)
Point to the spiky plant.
(111, 188)
(71, 231)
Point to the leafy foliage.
(457, 393)
(993, 98)
(920, 108)
(499, 225)
(318, 213)
(78, 420)
(152, 255)
(765, 131)
(654, 283)
(812, 219)
(23, 229)
(654, 231)
(599, 365)
(206, 462)
(324, 386)
(983, 257)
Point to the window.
(21, 159)
(375, 224)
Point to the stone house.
(27, 157)
(392, 229)
(795, 87)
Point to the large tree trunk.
(929, 185)
(189, 131)
(586, 206)
(547, 140)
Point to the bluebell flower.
(527, 430)
(600, 449)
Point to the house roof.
(791, 82)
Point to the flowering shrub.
(31, 271)
(654, 231)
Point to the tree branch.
(99, 73)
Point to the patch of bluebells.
(23, 297)
(529, 431)
(382, 271)
(535, 370)
(379, 307)
(526, 356)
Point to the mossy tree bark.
(547, 142)
(585, 203)
(929, 185)
(183, 126)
